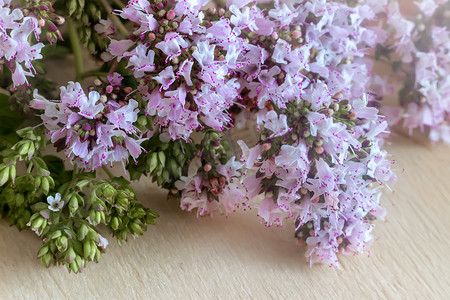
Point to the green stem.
(115, 19)
(108, 172)
(75, 45)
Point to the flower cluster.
(184, 64)
(318, 153)
(15, 48)
(168, 93)
(95, 129)
(422, 48)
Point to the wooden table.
(240, 258)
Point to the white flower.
(55, 203)
(102, 243)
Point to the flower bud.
(151, 36)
(170, 15)
(296, 34)
(60, 20)
(70, 256)
(267, 146)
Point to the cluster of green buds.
(165, 162)
(70, 231)
(213, 150)
(65, 208)
(72, 243)
(17, 193)
(31, 141)
(86, 14)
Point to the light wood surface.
(240, 258)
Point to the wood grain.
(239, 258)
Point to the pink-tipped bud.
(59, 20)
(352, 115)
(109, 89)
(207, 168)
(43, 7)
(339, 240)
(51, 27)
(170, 15)
(267, 146)
(41, 22)
(319, 150)
(296, 34)
(160, 5)
(222, 180)
(151, 36)
(274, 35)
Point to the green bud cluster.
(69, 230)
(70, 235)
(214, 149)
(71, 243)
(86, 14)
(165, 162)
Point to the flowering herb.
(418, 50)
(174, 78)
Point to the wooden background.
(240, 258)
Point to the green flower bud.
(136, 228)
(56, 234)
(61, 243)
(162, 158)
(73, 267)
(114, 223)
(37, 182)
(122, 203)
(19, 199)
(73, 205)
(152, 162)
(24, 146)
(43, 250)
(71, 6)
(82, 232)
(70, 255)
(47, 259)
(4, 174)
(45, 185)
(87, 249)
(94, 250)
(142, 120)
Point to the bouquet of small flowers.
(176, 79)
(418, 49)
